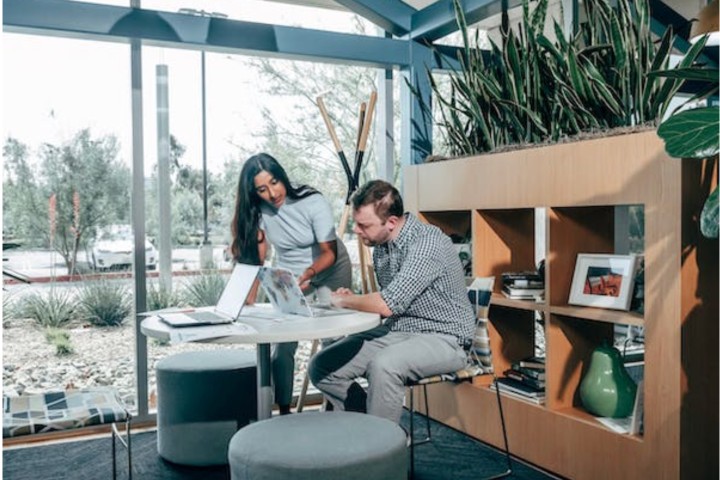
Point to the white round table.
(268, 326)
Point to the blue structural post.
(416, 106)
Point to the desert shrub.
(204, 289)
(159, 297)
(103, 303)
(53, 308)
(10, 308)
(61, 340)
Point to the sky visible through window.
(54, 87)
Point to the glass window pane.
(66, 200)
(335, 19)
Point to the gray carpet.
(451, 455)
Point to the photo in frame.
(603, 280)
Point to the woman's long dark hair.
(246, 221)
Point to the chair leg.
(129, 446)
(504, 431)
(126, 442)
(428, 436)
(306, 380)
(114, 453)
(412, 434)
(427, 416)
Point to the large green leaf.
(709, 216)
(703, 74)
(692, 133)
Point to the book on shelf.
(617, 425)
(527, 380)
(528, 292)
(536, 373)
(522, 279)
(539, 400)
(636, 419)
(537, 363)
(510, 384)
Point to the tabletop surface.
(261, 324)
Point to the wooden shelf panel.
(581, 415)
(599, 314)
(502, 301)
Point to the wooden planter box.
(580, 185)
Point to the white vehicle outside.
(114, 250)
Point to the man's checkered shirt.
(421, 280)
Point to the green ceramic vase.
(606, 389)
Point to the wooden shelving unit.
(579, 186)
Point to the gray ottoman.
(203, 399)
(319, 446)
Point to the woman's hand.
(304, 279)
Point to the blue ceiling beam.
(663, 16)
(438, 20)
(393, 16)
(119, 24)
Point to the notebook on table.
(228, 307)
(284, 293)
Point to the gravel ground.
(102, 356)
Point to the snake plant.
(533, 88)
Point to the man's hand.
(371, 302)
(339, 296)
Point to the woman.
(298, 223)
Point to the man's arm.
(371, 302)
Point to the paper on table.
(194, 334)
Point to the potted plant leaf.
(534, 89)
(693, 132)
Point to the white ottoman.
(319, 446)
(203, 399)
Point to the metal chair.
(479, 363)
(124, 439)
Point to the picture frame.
(603, 280)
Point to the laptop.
(229, 306)
(284, 293)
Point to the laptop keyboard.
(208, 317)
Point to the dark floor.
(451, 455)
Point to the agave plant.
(693, 133)
(204, 289)
(159, 297)
(55, 308)
(104, 303)
(535, 89)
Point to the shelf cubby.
(569, 344)
(586, 190)
(503, 241)
(512, 336)
(451, 222)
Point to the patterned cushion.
(480, 355)
(47, 412)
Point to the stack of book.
(525, 380)
(523, 285)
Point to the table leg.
(264, 388)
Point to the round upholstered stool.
(203, 399)
(319, 446)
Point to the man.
(427, 316)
